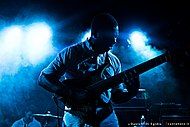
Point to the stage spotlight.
(10, 50)
(38, 42)
(140, 43)
(11, 39)
(138, 40)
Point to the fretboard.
(111, 82)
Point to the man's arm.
(67, 58)
(49, 77)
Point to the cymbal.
(47, 115)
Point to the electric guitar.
(99, 86)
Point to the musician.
(82, 58)
(27, 121)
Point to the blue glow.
(26, 47)
(10, 54)
(38, 42)
(138, 40)
(22, 46)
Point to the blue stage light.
(38, 42)
(11, 39)
(138, 40)
(10, 49)
(23, 46)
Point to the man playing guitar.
(87, 63)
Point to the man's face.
(105, 40)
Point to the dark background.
(167, 22)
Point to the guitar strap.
(106, 64)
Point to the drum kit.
(48, 120)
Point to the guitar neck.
(145, 66)
(111, 82)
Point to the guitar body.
(85, 111)
(86, 79)
(82, 83)
(78, 83)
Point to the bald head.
(104, 32)
(103, 23)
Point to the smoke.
(24, 51)
(159, 82)
(27, 45)
(10, 50)
(23, 46)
